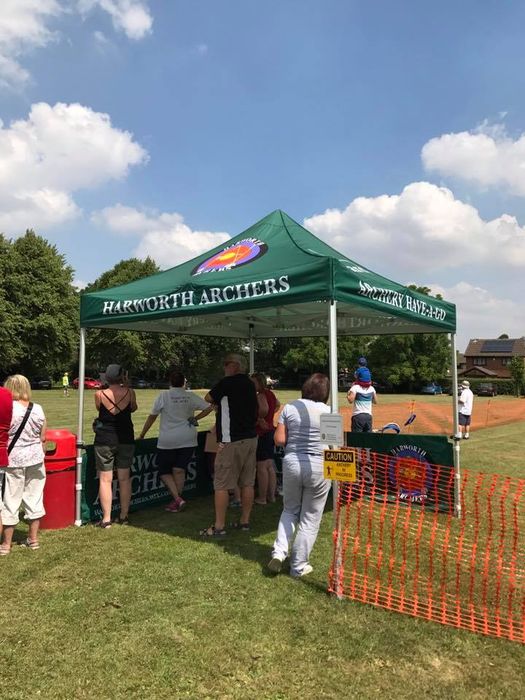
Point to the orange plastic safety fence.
(411, 554)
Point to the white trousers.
(305, 491)
(23, 487)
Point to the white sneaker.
(275, 565)
(306, 570)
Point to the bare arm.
(43, 431)
(280, 435)
(209, 398)
(204, 412)
(133, 401)
(147, 425)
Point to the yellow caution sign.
(340, 465)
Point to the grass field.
(151, 611)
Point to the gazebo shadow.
(253, 545)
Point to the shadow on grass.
(254, 545)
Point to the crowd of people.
(248, 424)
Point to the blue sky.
(393, 130)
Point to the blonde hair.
(19, 387)
(238, 359)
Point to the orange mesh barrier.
(416, 558)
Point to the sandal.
(30, 544)
(212, 532)
(121, 521)
(103, 524)
(4, 550)
(245, 527)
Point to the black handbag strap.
(20, 427)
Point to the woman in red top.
(266, 478)
(6, 412)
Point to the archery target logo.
(410, 473)
(240, 253)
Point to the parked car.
(140, 383)
(89, 383)
(432, 389)
(41, 383)
(487, 389)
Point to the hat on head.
(362, 361)
(465, 384)
(113, 372)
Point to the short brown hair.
(177, 378)
(316, 388)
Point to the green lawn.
(151, 611)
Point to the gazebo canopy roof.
(277, 279)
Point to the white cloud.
(129, 16)
(23, 26)
(487, 157)
(56, 151)
(26, 25)
(79, 284)
(481, 313)
(423, 228)
(164, 237)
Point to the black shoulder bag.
(20, 427)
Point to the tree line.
(39, 330)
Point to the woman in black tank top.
(114, 442)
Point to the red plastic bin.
(59, 491)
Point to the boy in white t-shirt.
(362, 395)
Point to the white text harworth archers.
(211, 295)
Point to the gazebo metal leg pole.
(80, 427)
(455, 423)
(334, 405)
(252, 349)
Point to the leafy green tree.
(409, 360)
(39, 306)
(517, 372)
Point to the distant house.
(490, 359)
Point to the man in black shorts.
(236, 400)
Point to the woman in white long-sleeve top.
(305, 489)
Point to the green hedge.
(503, 386)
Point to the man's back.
(236, 398)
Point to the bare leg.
(246, 503)
(33, 530)
(221, 506)
(105, 493)
(8, 535)
(180, 478)
(171, 485)
(262, 483)
(124, 485)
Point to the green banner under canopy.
(275, 279)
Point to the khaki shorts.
(116, 457)
(235, 465)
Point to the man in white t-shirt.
(465, 401)
(177, 434)
(362, 395)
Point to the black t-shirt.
(236, 398)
